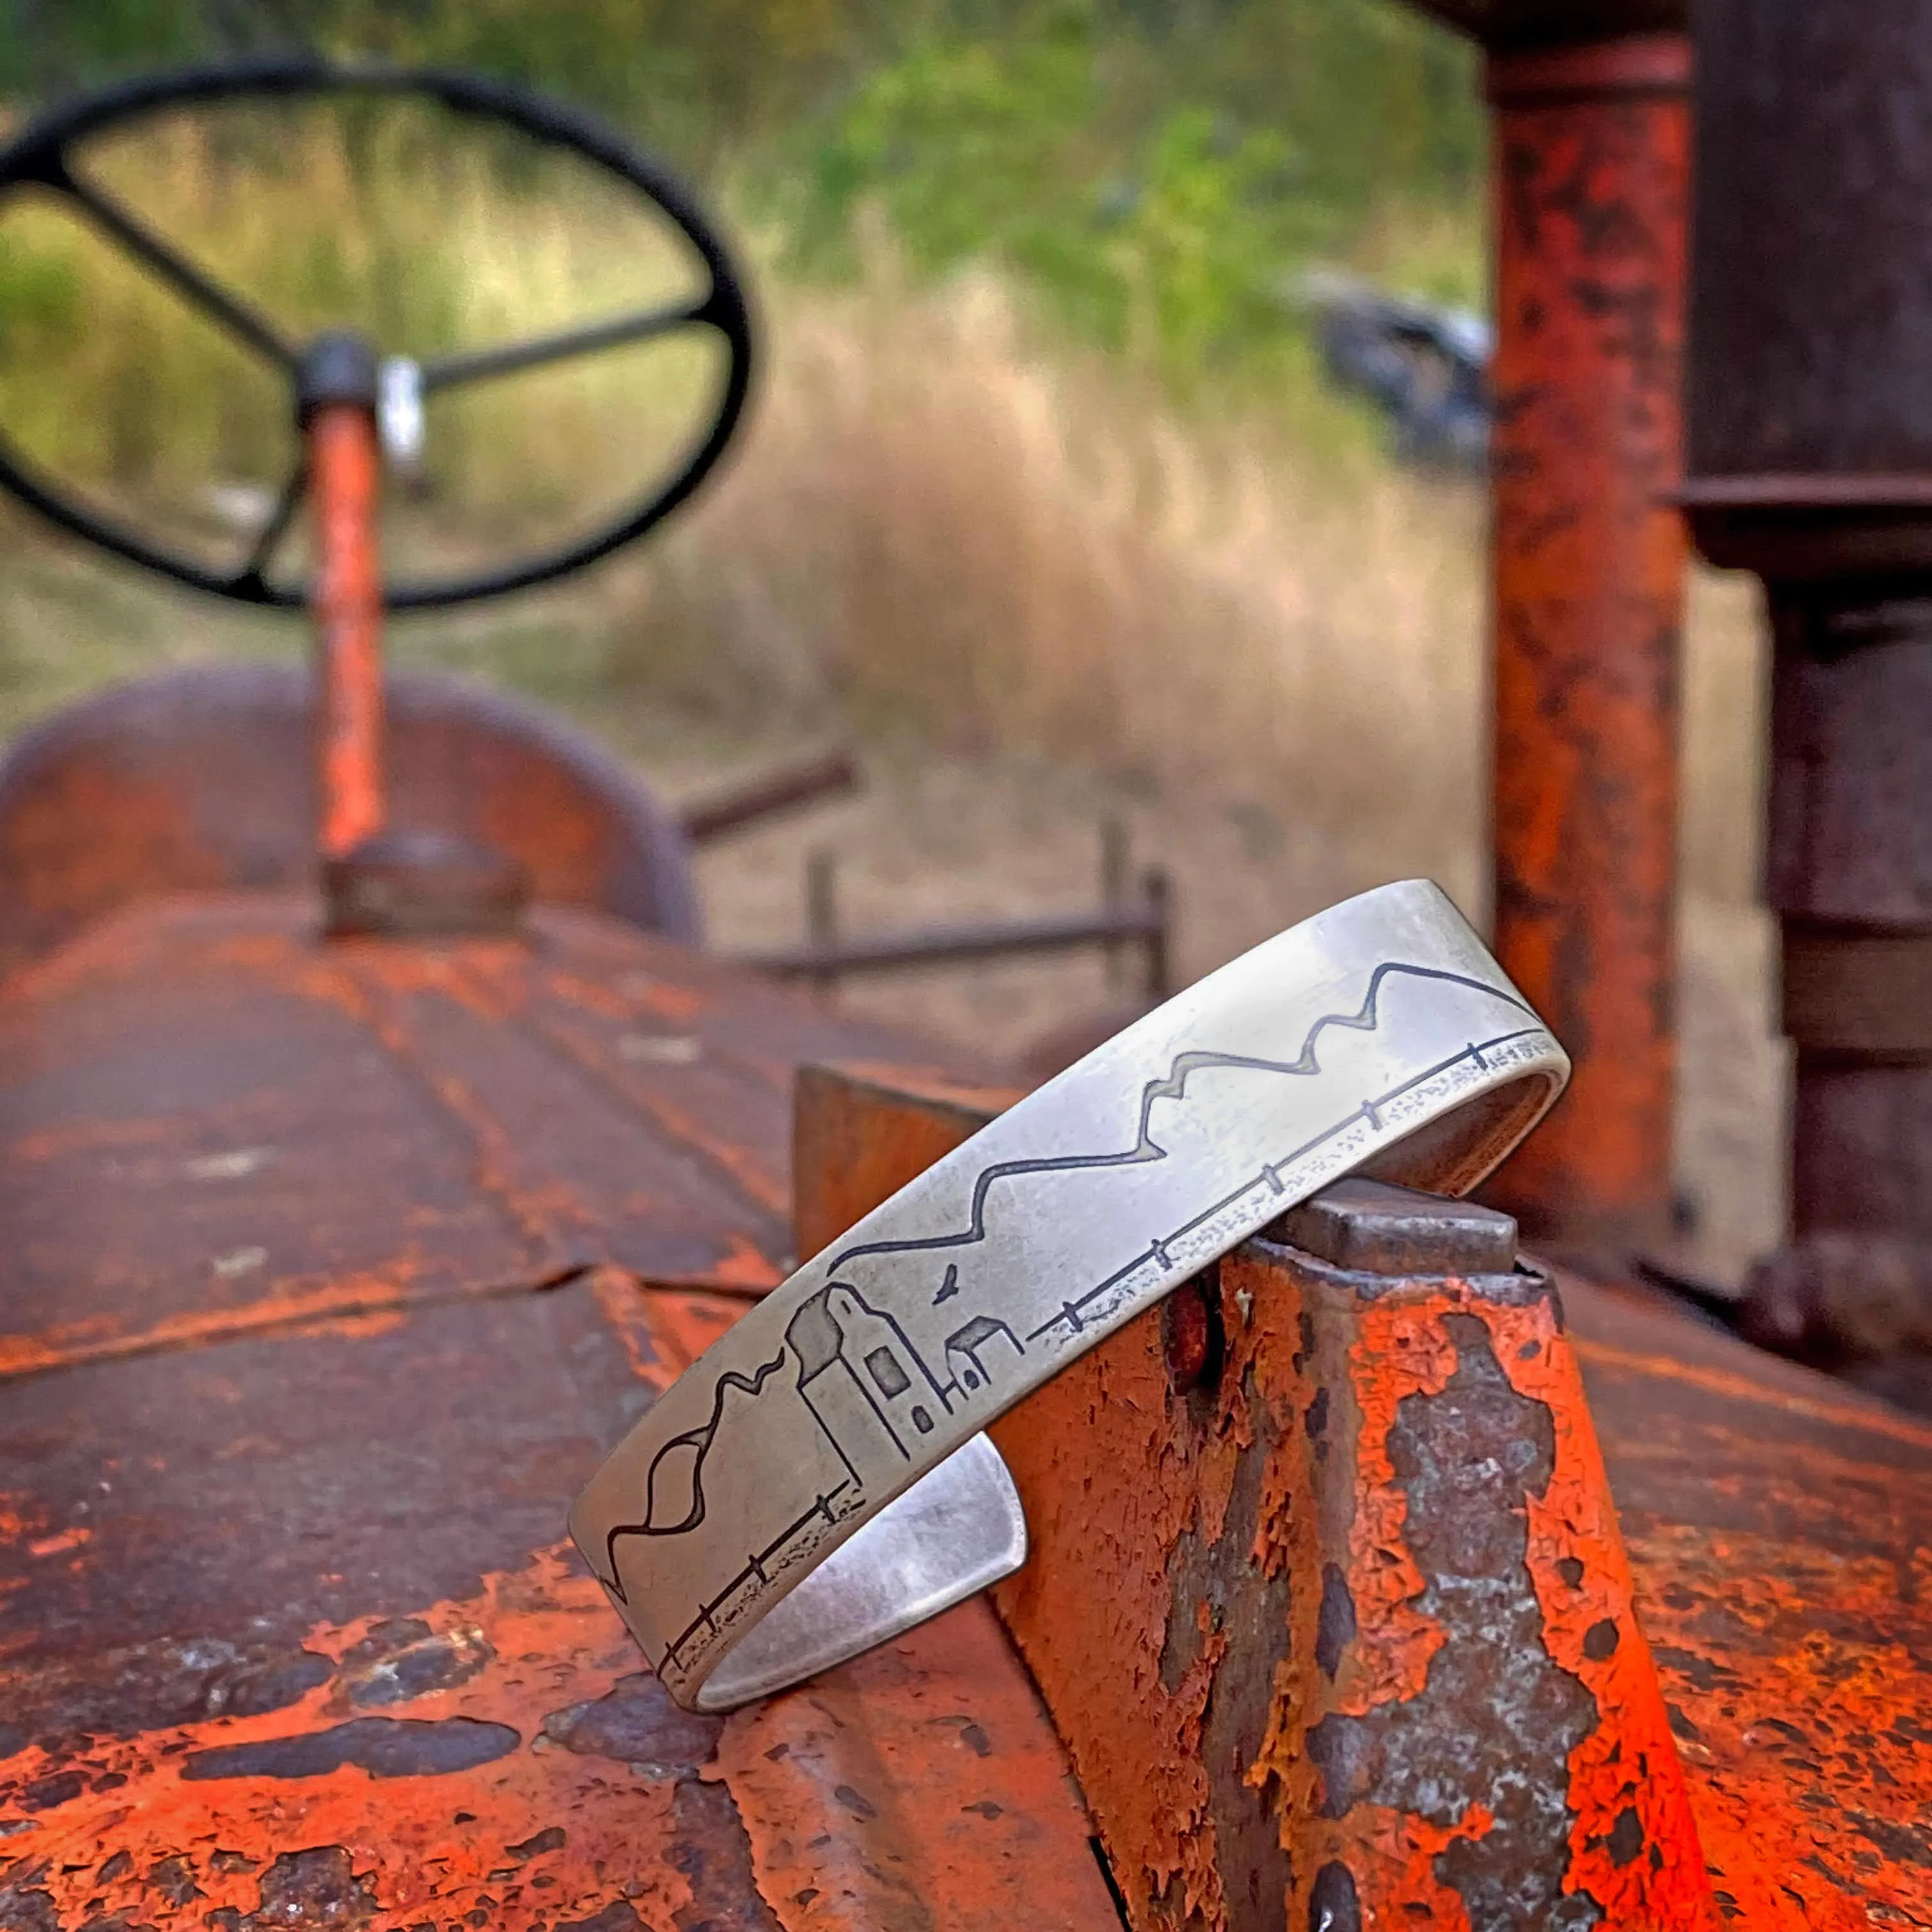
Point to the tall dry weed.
(948, 527)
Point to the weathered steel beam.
(1810, 426)
(759, 799)
(1365, 1649)
(1145, 924)
(1590, 149)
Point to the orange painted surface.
(519, 1112)
(923, 1773)
(1592, 158)
(287, 1634)
(332, 1280)
(1780, 1537)
(345, 465)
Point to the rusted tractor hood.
(333, 1271)
(335, 1268)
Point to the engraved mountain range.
(908, 1335)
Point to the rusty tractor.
(380, 1145)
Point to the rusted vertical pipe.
(1590, 165)
(345, 478)
(336, 387)
(1590, 145)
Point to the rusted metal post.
(821, 917)
(1591, 150)
(1116, 856)
(1364, 1651)
(1370, 1654)
(1592, 145)
(1810, 423)
(755, 803)
(1157, 897)
(345, 467)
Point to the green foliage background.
(1155, 169)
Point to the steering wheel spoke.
(173, 268)
(251, 580)
(445, 372)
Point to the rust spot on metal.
(1190, 1338)
(402, 1659)
(636, 1722)
(714, 1852)
(383, 1746)
(552, 1838)
(27, 1908)
(620, 1915)
(120, 1691)
(1493, 1727)
(172, 1880)
(43, 1794)
(319, 1887)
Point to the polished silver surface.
(816, 1482)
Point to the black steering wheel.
(41, 157)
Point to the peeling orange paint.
(743, 1265)
(1401, 1349)
(1805, 1686)
(57, 1546)
(925, 1771)
(1630, 1762)
(1869, 1418)
(437, 1843)
(1123, 1479)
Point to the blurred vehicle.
(1425, 366)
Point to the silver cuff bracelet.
(816, 1482)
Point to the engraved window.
(887, 1372)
